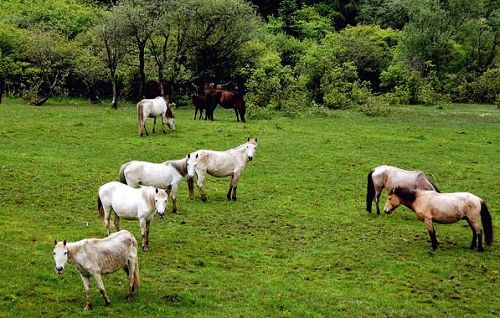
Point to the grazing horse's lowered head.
(60, 256)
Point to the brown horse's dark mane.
(406, 195)
(179, 165)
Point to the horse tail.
(100, 209)
(370, 191)
(190, 183)
(122, 173)
(137, 276)
(487, 224)
(140, 117)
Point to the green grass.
(297, 243)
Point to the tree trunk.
(41, 101)
(160, 80)
(2, 85)
(142, 73)
(114, 102)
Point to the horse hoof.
(204, 199)
(129, 297)
(234, 199)
(174, 210)
(108, 303)
(145, 248)
(87, 307)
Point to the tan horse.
(445, 208)
(96, 257)
(388, 177)
(153, 108)
(219, 164)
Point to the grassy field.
(297, 243)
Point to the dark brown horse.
(227, 100)
(199, 105)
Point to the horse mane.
(169, 112)
(407, 195)
(179, 165)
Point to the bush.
(375, 107)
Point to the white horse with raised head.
(154, 108)
(219, 164)
(131, 204)
(95, 257)
(166, 175)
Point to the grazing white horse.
(96, 257)
(131, 204)
(154, 108)
(388, 177)
(166, 175)
(231, 162)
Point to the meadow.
(297, 243)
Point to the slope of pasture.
(297, 243)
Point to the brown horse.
(199, 105)
(388, 177)
(227, 100)
(445, 208)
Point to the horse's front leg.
(199, 183)
(174, 198)
(142, 223)
(234, 186)
(432, 233)
(100, 284)
(195, 112)
(148, 223)
(88, 293)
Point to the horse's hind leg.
(477, 235)
(107, 219)
(378, 192)
(154, 125)
(237, 115)
(131, 271)
(100, 284)
(117, 222)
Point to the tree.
(111, 35)
(50, 57)
(140, 17)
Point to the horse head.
(398, 196)
(60, 256)
(161, 199)
(192, 162)
(251, 146)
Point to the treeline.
(286, 55)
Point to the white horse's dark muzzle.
(60, 270)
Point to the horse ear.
(156, 190)
(189, 155)
(197, 155)
(255, 139)
(64, 242)
(248, 139)
(55, 242)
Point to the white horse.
(131, 204)
(231, 162)
(166, 175)
(153, 108)
(388, 177)
(96, 257)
